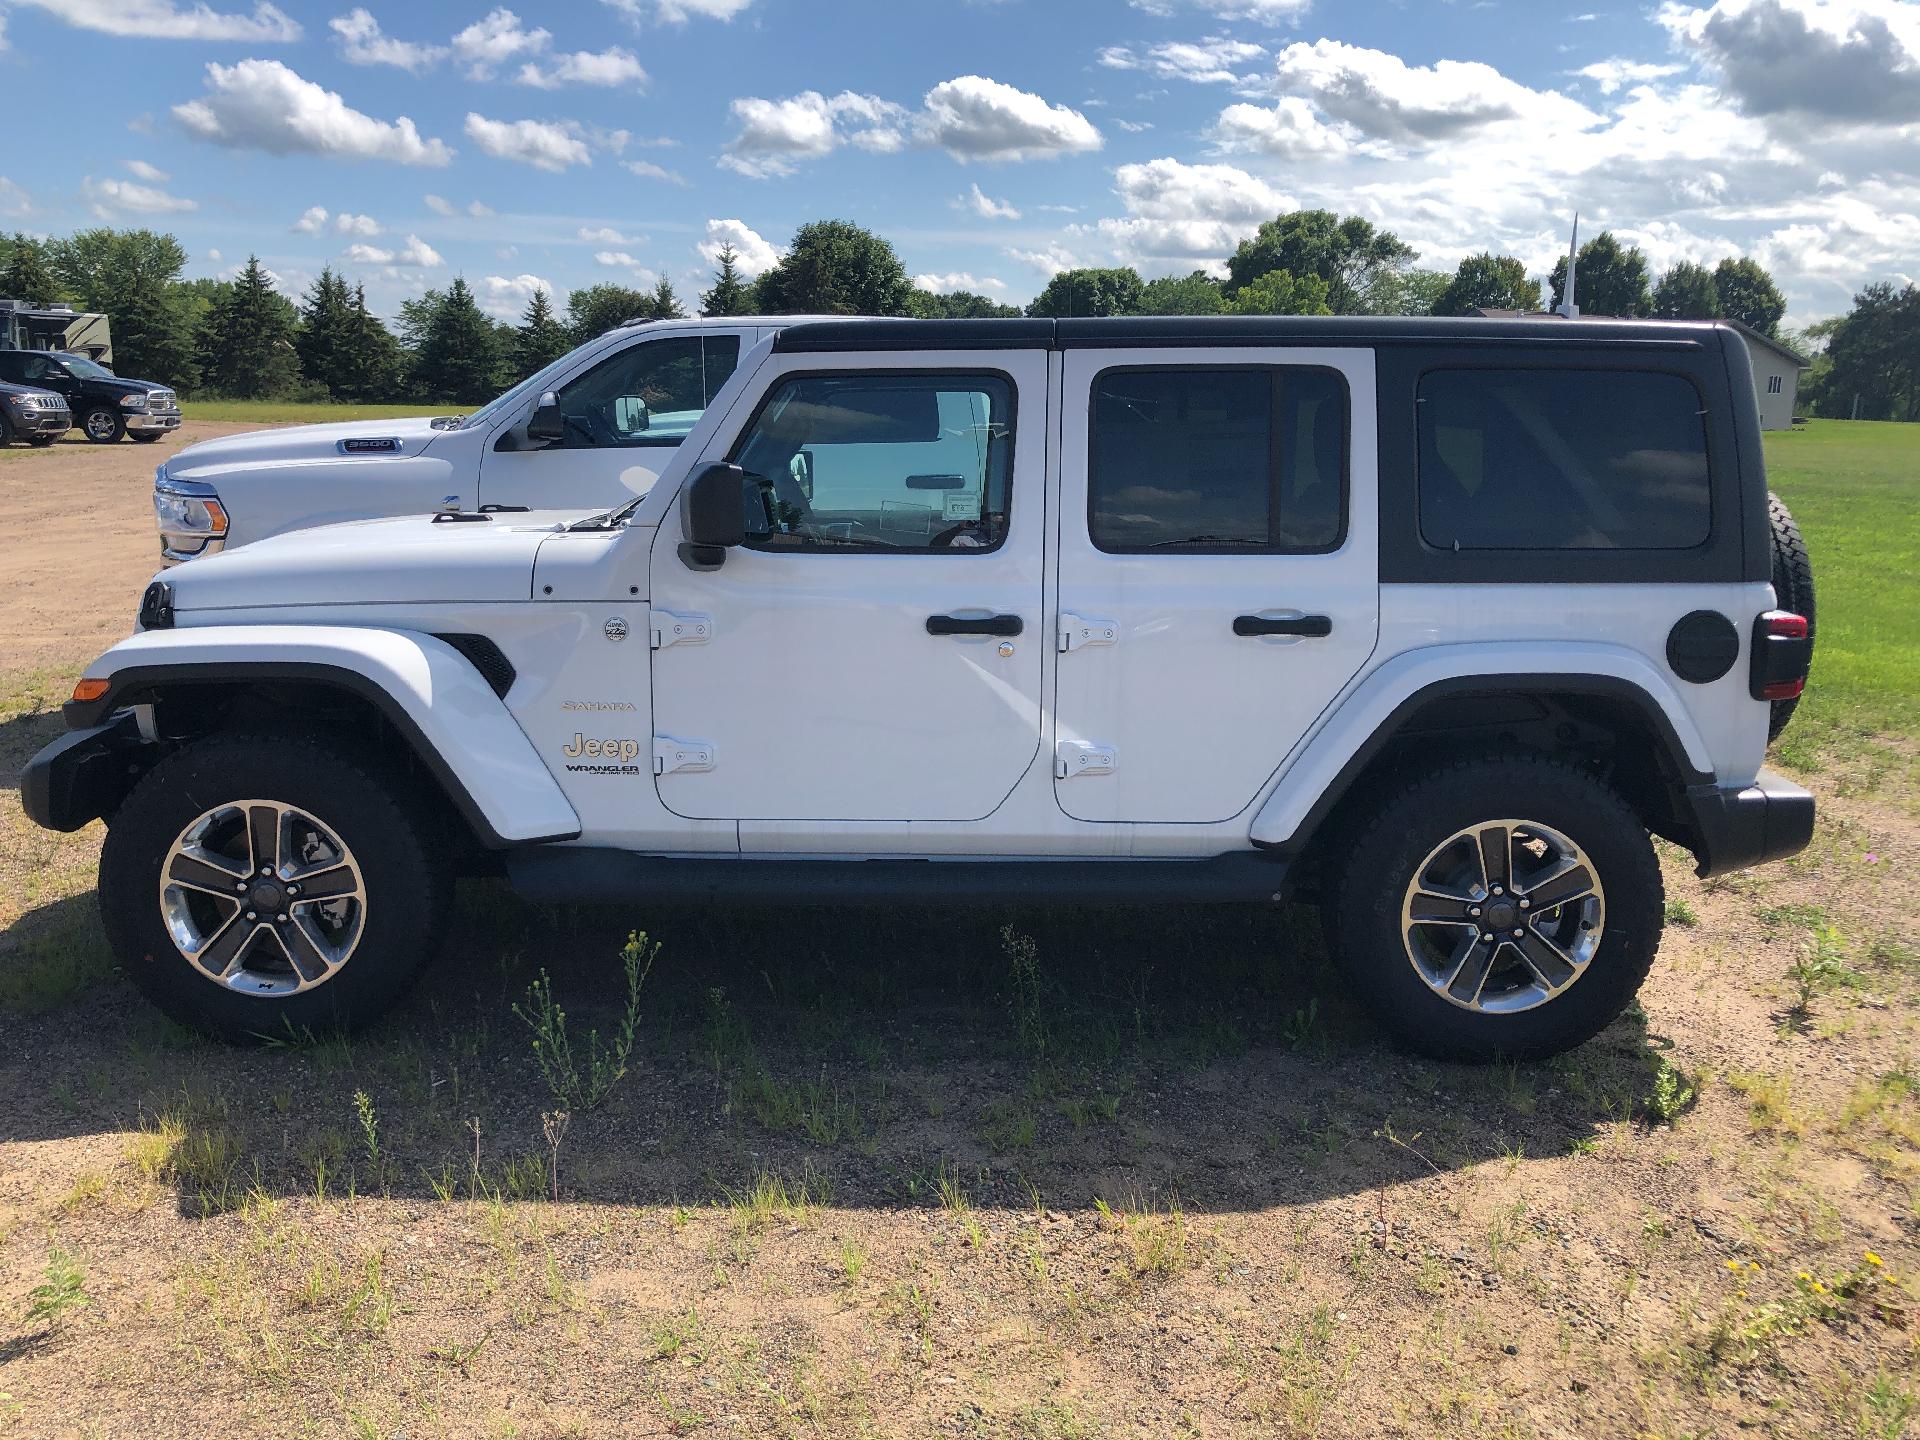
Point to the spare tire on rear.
(1792, 590)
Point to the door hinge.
(1072, 758)
(667, 628)
(670, 755)
(1077, 631)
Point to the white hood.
(405, 561)
(298, 444)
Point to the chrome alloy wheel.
(99, 425)
(1502, 917)
(262, 898)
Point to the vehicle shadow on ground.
(1204, 1057)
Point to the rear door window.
(1244, 460)
(1562, 460)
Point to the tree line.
(242, 338)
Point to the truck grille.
(162, 400)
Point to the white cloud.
(676, 12)
(152, 174)
(985, 206)
(752, 253)
(13, 200)
(544, 144)
(262, 105)
(165, 20)
(439, 204)
(1272, 12)
(348, 224)
(959, 280)
(362, 42)
(777, 134)
(479, 209)
(607, 235)
(974, 118)
(615, 259)
(109, 198)
(1049, 260)
(214, 256)
(505, 297)
(312, 222)
(416, 253)
(1611, 75)
(647, 170)
(494, 40)
(3, 31)
(1287, 128)
(1215, 60)
(584, 67)
(1845, 60)
(1184, 217)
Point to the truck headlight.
(189, 514)
(133, 402)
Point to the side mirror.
(713, 515)
(548, 423)
(630, 415)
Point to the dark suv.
(36, 416)
(105, 405)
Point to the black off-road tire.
(393, 833)
(1391, 840)
(41, 442)
(1792, 590)
(145, 437)
(6, 429)
(102, 424)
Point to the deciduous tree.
(1488, 282)
(1748, 294)
(1686, 292)
(1090, 292)
(835, 268)
(1280, 293)
(1348, 253)
(1613, 278)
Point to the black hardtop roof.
(1229, 330)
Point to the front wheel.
(146, 437)
(103, 425)
(1501, 907)
(265, 885)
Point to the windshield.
(532, 385)
(87, 369)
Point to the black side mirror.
(548, 423)
(713, 515)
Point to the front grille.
(162, 400)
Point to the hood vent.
(370, 445)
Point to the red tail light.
(1782, 651)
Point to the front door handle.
(1314, 625)
(974, 625)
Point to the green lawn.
(283, 412)
(1854, 486)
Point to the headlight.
(25, 402)
(188, 511)
(133, 402)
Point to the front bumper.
(151, 422)
(84, 774)
(1768, 820)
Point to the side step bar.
(582, 875)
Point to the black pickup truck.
(105, 405)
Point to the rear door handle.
(974, 625)
(1314, 625)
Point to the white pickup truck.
(591, 430)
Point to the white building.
(1776, 376)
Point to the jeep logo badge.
(615, 629)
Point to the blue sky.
(993, 141)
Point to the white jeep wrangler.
(590, 430)
(1433, 620)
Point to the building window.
(1773, 384)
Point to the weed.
(1671, 1094)
(63, 1292)
(1885, 1408)
(1770, 1108)
(1025, 995)
(1008, 1125)
(1680, 912)
(673, 1337)
(1819, 966)
(853, 1260)
(369, 1130)
(88, 1186)
(605, 1066)
(1298, 1030)
(553, 1124)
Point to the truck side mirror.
(548, 422)
(713, 515)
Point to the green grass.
(286, 412)
(1854, 488)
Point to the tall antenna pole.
(1568, 306)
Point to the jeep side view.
(107, 406)
(1434, 622)
(620, 405)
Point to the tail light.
(1782, 652)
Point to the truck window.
(1562, 460)
(886, 461)
(1250, 459)
(652, 393)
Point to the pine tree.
(541, 338)
(731, 294)
(26, 276)
(373, 362)
(458, 361)
(666, 304)
(245, 344)
(325, 340)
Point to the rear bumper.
(1767, 820)
(83, 775)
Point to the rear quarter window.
(1562, 459)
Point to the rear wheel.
(261, 885)
(1505, 906)
(102, 425)
(1792, 590)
